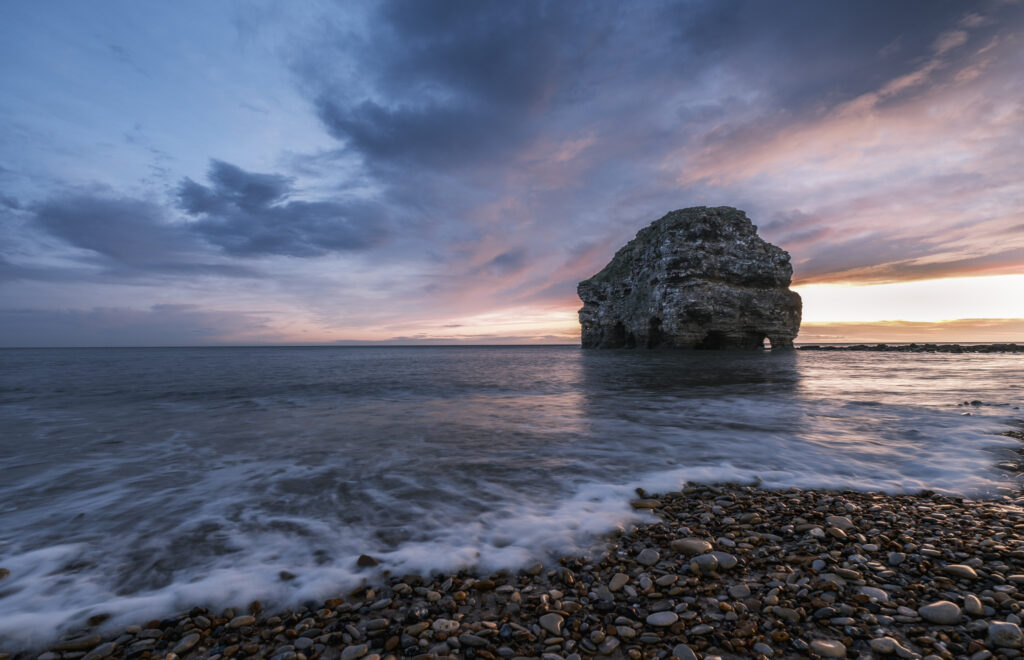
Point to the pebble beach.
(721, 571)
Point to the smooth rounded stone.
(552, 623)
(354, 651)
(648, 557)
(691, 546)
(618, 581)
(609, 645)
(739, 591)
(646, 504)
(883, 645)
(663, 619)
(704, 564)
(101, 651)
(840, 522)
(446, 626)
(186, 643)
(302, 643)
(366, 561)
(701, 629)
(960, 571)
(684, 652)
(1005, 634)
(469, 639)
(896, 558)
(725, 560)
(828, 648)
(941, 612)
(764, 649)
(875, 594)
(244, 620)
(836, 533)
(818, 565)
(973, 606)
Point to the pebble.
(739, 591)
(961, 571)
(941, 612)
(684, 652)
(691, 546)
(648, 557)
(841, 522)
(472, 640)
(875, 594)
(663, 619)
(1005, 634)
(244, 620)
(704, 564)
(725, 560)
(186, 643)
(828, 648)
(552, 623)
(354, 651)
(446, 626)
(973, 606)
(618, 581)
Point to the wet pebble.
(941, 612)
(828, 648)
(662, 619)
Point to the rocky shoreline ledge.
(726, 571)
(920, 348)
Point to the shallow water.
(139, 482)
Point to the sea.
(140, 482)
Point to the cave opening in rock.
(618, 335)
(714, 340)
(654, 334)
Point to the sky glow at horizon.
(252, 172)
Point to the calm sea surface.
(139, 482)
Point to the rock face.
(698, 278)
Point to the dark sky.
(189, 173)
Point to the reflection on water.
(146, 480)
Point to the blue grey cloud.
(248, 213)
(126, 236)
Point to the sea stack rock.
(698, 278)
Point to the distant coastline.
(930, 347)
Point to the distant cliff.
(697, 278)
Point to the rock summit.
(699, 277)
